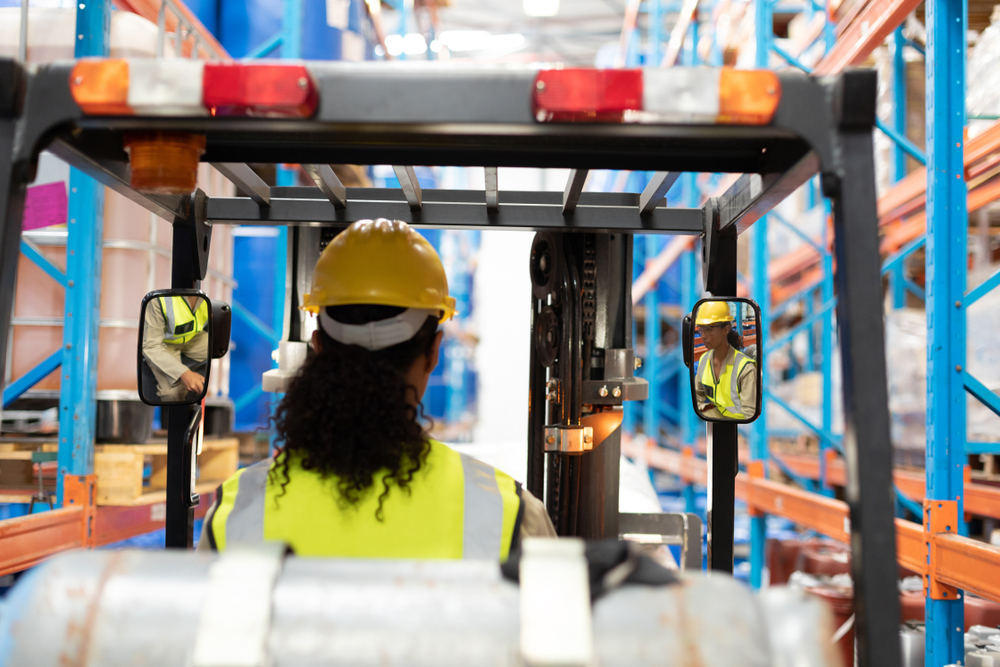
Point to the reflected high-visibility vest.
(182, 324)
(456, 507)
(724, 391)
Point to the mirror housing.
(180, 332)
(222, 325)
(727, 391)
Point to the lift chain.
(589, 286)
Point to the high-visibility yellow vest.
(456, 507)
(724, 391)
(182, 324)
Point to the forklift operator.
(357, 474)
(726, 378)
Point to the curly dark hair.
(351, 414)
(734, 338)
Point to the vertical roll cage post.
(485, 117)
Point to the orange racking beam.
(958, 561)
(150, 10)
(822, 514)
(980, 499)
(911, 545)
(115, 524)
(28, 540)
(900, 210)
(969, 565)
(864, 34)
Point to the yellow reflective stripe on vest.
(727, 402)
(176, 312)
(456, 507)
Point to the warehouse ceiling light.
(541, 7)
(412, 44)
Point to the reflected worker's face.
(713, 335)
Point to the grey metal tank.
(125, 608)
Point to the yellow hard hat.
(381, 262)
(713, 312)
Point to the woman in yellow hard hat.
(357, 475)
(726, 378)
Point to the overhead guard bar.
(656, 190)
(410, 185)
(326, 180)
(247, 180)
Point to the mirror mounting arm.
(191, 244)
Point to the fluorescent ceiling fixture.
(394, 44)
(540, 7)
(480, 40)
(414, 44)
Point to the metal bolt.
(588, 439)
(771, 90)
(602, 392)
(638, 363)
(551, 439)
(616, 392)
(78, 80)
(550, 385)
(69, 346)
(551, 397)
(70, 283)
(303, 82)
(540, 86)
(958, 304)
(958, 368)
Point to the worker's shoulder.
(441, 451)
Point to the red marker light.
(587, 94)
(259, 90)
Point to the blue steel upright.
(898, 102)
(81, 324)
(761, 290)
(651, 406)
(947, 233)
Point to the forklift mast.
(581, 372)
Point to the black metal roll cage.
(483, 117)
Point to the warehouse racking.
(904, 211)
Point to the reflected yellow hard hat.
(381, 262)
(713, 312)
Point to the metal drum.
(117, 608)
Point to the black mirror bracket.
(191, 243)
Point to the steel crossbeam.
(456, 208)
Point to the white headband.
(380, 334)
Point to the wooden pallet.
(990, 470)
(17, 475)
(119, 470)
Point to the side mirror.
(723, 354)
(180, 332)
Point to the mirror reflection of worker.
(726, 378)
(174, 331)
(357, 474)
